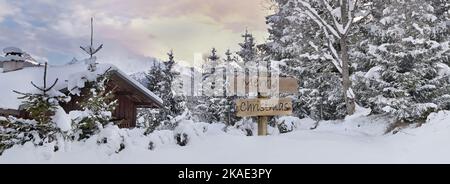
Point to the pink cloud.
(232, 14)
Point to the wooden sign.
(265, 85)
(263, 107)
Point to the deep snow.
(357, 139)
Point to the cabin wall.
(9, 66)
(125, 112)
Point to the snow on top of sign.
(70, 76)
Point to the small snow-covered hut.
(72, 79)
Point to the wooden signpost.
(263, 107)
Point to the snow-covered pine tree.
(336, 20)
(212, 103)
(97, 109)
(302, 49)
(405, 48)
(363, 61)
(150, 118)
(160, 81)
(174, 104)
(442, 27)
(153, 77)
(41, 107)
(230, 62)
(248, 49)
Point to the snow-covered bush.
(247, 126)
(287, 124)
(113, 138)
(188, 130)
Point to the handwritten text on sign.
(263, 107)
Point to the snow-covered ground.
(357, 139)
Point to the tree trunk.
(346, 83)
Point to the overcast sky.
(131, 30)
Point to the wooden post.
(263, 121)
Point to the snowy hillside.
(357, 139)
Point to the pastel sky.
(132, 31)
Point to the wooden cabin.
(130, 96)
(129, 93)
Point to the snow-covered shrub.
(168, 124)
(287, 124)
(246, 125)
(188, 130)
(174, 121)
(113, 138)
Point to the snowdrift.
(357, 139)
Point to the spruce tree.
(161, 81)
(212, 101)
(229, 102)
(405, 49)
(302, 50)
(97, 109)
(248, 48)
(40, 107)
(174, 104)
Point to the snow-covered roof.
(140, 87)
(71, 76)
(12, 50)
(12, 58)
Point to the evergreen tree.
(212, 89)
(441, 27)
(97, 109)
(161, 81)
(174, 104)
(41, 107)
(406, 51)
(229, 103)
(303, 52)
(248, 49)
(150, 118)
